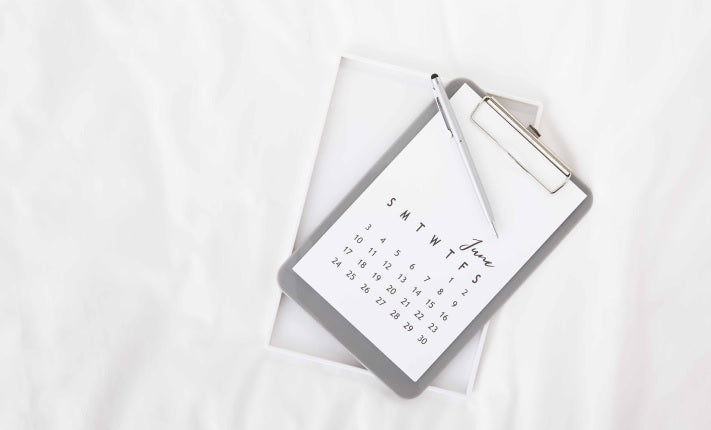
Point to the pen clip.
(444, 117)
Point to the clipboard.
(363, 349)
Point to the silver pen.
(457, 136)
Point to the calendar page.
(412, 261)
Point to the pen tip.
(496, 234)
(434, 75)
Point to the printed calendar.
(411, 262)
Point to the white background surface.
(153, 162)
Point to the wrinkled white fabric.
(154, 157)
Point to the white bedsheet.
(153, 162)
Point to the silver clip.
(530, 134)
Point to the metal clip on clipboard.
(521, 144)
